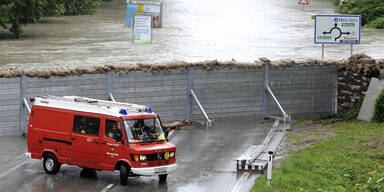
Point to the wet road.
(193, 31)
(205, 161)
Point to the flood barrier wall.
(227, 92)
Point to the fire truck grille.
(155, 157)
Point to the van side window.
(86, 125)
(113, 130)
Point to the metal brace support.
(267, 90)
(111, 97)
(27, 106)
(209, 122)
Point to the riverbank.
(371, 11)
(335, 157)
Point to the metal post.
(269, 169)
(351, 49)
(23, 82)
(322, 51)
(189, 95)
(110, 85)
(265, 93)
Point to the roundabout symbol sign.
(337, 29)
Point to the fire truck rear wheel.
(163, 178)
(123, 174)
(50, 164)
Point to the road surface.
(205, 161)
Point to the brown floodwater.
(192, 31)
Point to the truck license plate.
(160, 169)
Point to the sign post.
(337, 29)
(322, 51)
(142, 29)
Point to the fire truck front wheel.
(123, 174)
(50, 164)
(163, 178)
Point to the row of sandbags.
(359, 63)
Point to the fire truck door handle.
(96, 142)
(73, 138)
(103, 143)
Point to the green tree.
(371, 11)
(20, 12)
(15, 13)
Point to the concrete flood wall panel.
(164, 92)
(224, 93)
(86, 85)
(228, 93)
(304, 90)
(9, 106)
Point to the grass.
(353, 160)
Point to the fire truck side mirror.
(166, 134)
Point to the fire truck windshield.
(144, 130)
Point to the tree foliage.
(19, 12)
(371, 11)
(71, 7)
(14, 13)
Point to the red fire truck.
(100, 135)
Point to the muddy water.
(193, 31)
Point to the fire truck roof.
(84, 104)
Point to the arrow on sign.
(338, 29)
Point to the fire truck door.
(111, 144)
(85, 141)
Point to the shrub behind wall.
(378, 115)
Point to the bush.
(378, 115)
(370, 10)
(80, 7)
(353, 112)
(377, 23)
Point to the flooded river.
(192, 31)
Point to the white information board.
(142, 29)
(149, 7)
(337, 29)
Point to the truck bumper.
(160, 170)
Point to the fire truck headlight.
(172, 154)
(143, 157)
